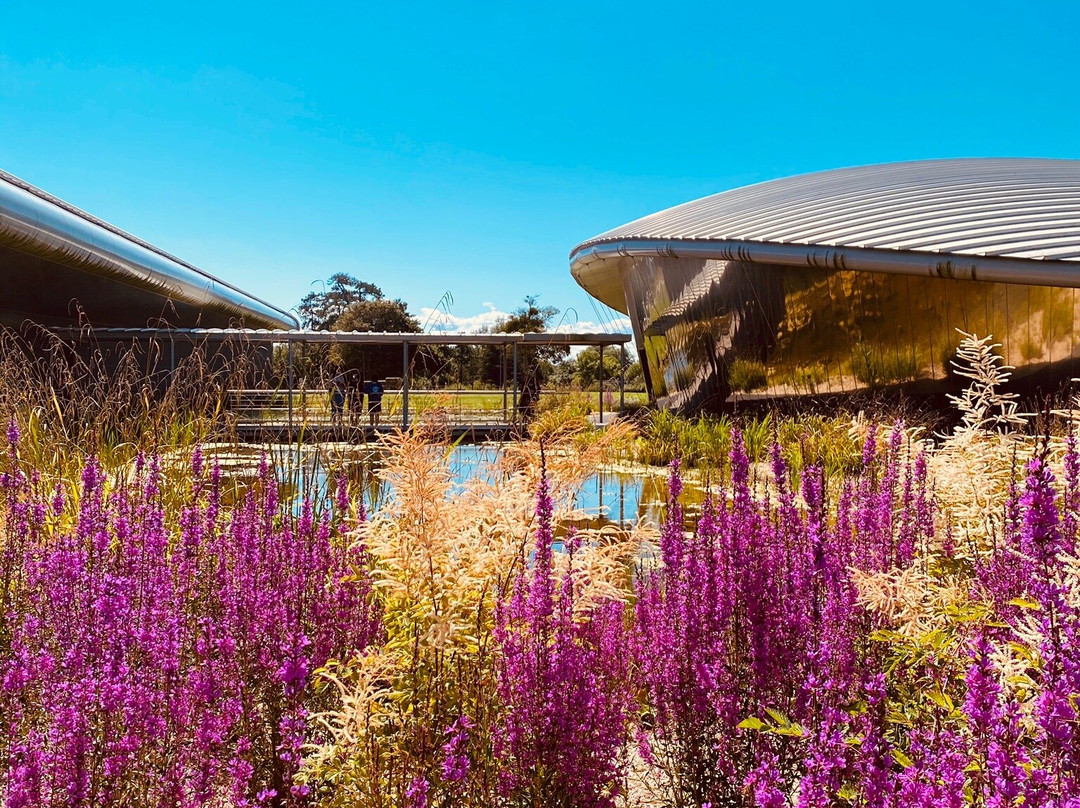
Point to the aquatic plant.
(150, 657)
(562, 683)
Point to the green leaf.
(1025, 603)
(790, 731)
(755, 724)
(942, 700)
(778, 717)
(847, 792)
(902, 759)
(894, 717)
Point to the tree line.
(346, 303)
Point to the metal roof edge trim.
(1032, 272)
(265, 335)
(36, 216)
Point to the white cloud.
(437, 321)
(616, 325)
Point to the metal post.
(303, 384)
(515, 381)
(405, 385)
(622, 379)
(290, 389)
(502, 379)
(601, 347)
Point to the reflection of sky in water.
(616, 496)
(619, 497)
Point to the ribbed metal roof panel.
(1023, 208)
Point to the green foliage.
(700, 442)
(319, 310)
(819, 440)
(704, 441)
(585, 367)
(373, 361)
(745, 375)
(876, 366)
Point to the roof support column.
(622, 379)
(404, 385)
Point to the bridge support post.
(601, 382)
(622, 379)
(404, 385)
(289, 392)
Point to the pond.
(609, 496)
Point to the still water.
(621, 497)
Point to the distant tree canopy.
(377, 315)
(320, 310)
(380, 314)
(583, 370)
(528, 319)
(346, 303)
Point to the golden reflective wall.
(715, 331)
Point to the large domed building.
(847, 280)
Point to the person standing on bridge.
(374, 390)
(339, 388)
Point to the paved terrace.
(284, 412)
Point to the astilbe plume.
(149, 658)
(562, 681)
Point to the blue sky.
(466, 148)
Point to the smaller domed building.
(848, 280)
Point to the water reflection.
(606, 497)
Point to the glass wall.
(715, 331)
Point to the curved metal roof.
(1010, 220)
(35, 222)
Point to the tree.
(587, 370)
(530, 318)
(379, 315)
(319, 310)
(582, 370)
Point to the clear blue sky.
(465, 147)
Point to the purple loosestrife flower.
(416, 795)
(1071, 500)
(455, 765)
(874, 762)
(166, 657)
(1000, 774)
(562, 679)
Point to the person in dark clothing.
(339, 386)
(374, 392)
(356, 398)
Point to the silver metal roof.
(38, 223)
(1009, 220)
